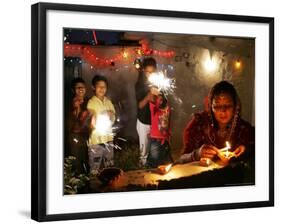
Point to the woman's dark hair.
(75, 81)
(98, 78)
(223, 87)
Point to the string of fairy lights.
(90, 54)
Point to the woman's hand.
(208, 151)
(223, 158)
(236, 153)
(239, 150)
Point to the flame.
(227, 145)
(168, 167)
(227, 153)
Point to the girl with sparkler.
(210, 130)
(101, 135)
(144, 94)
(159, 150)
(78, 126)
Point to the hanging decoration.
(90, 55)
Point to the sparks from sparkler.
(159, 80)
(103, 124)
(75, 140)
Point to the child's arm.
(111, 112)
(91, 110)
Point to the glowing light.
(139, 52)
(75, 140)
(225, 151)
(227, 147)
(125, 54)
(103, 124)
(210, 65)
(238, 64)
(163, 83)
(167, 168)
(163, 169)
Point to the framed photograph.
(140, 111)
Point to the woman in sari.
(208, 131)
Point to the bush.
(73, 182)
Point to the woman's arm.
(205, 151)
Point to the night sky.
(84, 36)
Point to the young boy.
(78, 126)
(101, 136)
(159, 150)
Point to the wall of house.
(193, 82)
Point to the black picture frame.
(39, 122)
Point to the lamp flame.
(168, 167)
(227, 147)
(163, 169)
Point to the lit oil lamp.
(163, 169)
(205, 162)
(224, 153)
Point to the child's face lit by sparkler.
(100, 89)
(148, 70)
(80, 89)
(223, 108)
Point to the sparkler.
(163, 83)
(103, 124)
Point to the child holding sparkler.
(159, 150)
(144, 94)
(101, 136)
(78, 126)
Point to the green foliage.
(128, 157)
(73, 182)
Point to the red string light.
(88, 54)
